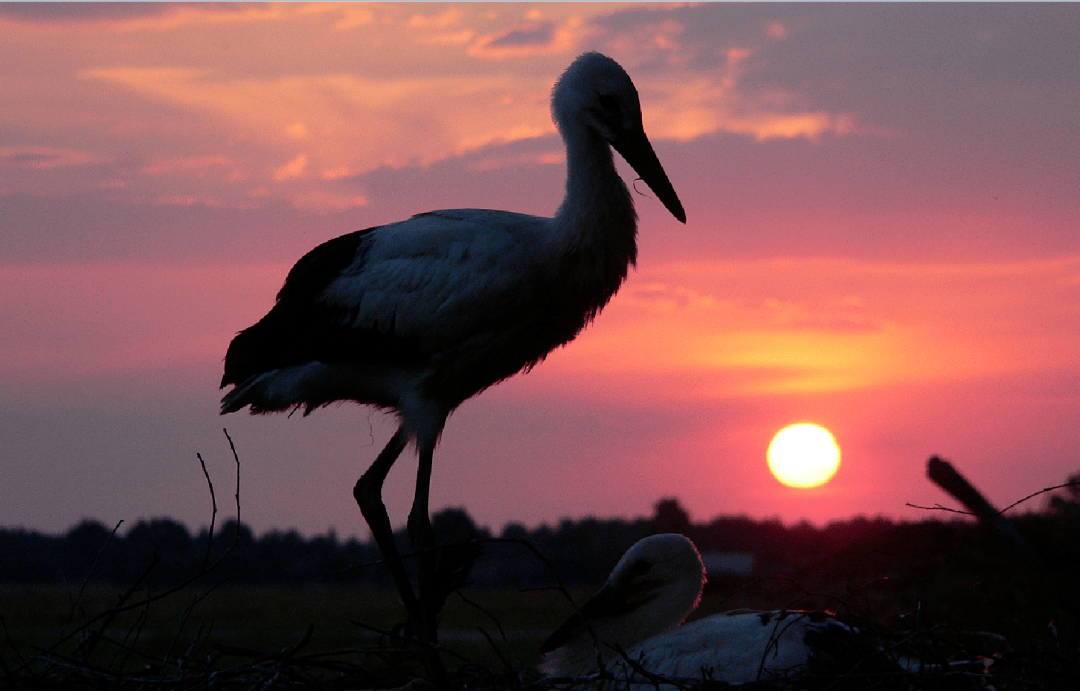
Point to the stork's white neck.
(597, 212)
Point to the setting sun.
(803, 455)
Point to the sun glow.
(803, 455)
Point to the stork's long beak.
(610, 601)
(638, 152)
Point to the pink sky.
(883, 209)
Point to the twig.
(498, 625)
(406, 639)
(109, 615)
(655, 679)
(134, 632)
(236, 458)
(199, 597)
(560, 584)
(86, 578)
(938, 507)
(1041, 491)
(11, 644)
(213, 511)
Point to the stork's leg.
(422, 538)
(368, 494)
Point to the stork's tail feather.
(252, 392)
(305, 387)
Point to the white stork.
(632, 624)
(418, 316)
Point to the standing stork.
(418, 316)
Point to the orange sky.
(882, 206)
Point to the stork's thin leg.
(422, 538)
(368, 494)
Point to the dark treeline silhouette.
(90, 551)
(581, 551)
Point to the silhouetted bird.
(418, 316)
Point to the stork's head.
(655, 586)
(597, 93)
(662, 574)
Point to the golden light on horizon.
(803, 455)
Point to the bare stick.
(942, 473)
(120, 607)
(213, 513)
(236, 458)
(1041, 491)
(938, 507)
(108, 616)
(499, 626)
(93, 566)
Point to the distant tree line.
(581, 551)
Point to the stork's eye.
(608, 114)
(638, 569)
(610, 106)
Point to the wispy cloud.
(349, 122)
(43, 157)
(478, 76)
(320, 201)
(129, 17)
(186, 164)
(537, 37)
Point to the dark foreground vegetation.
(154, 606)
